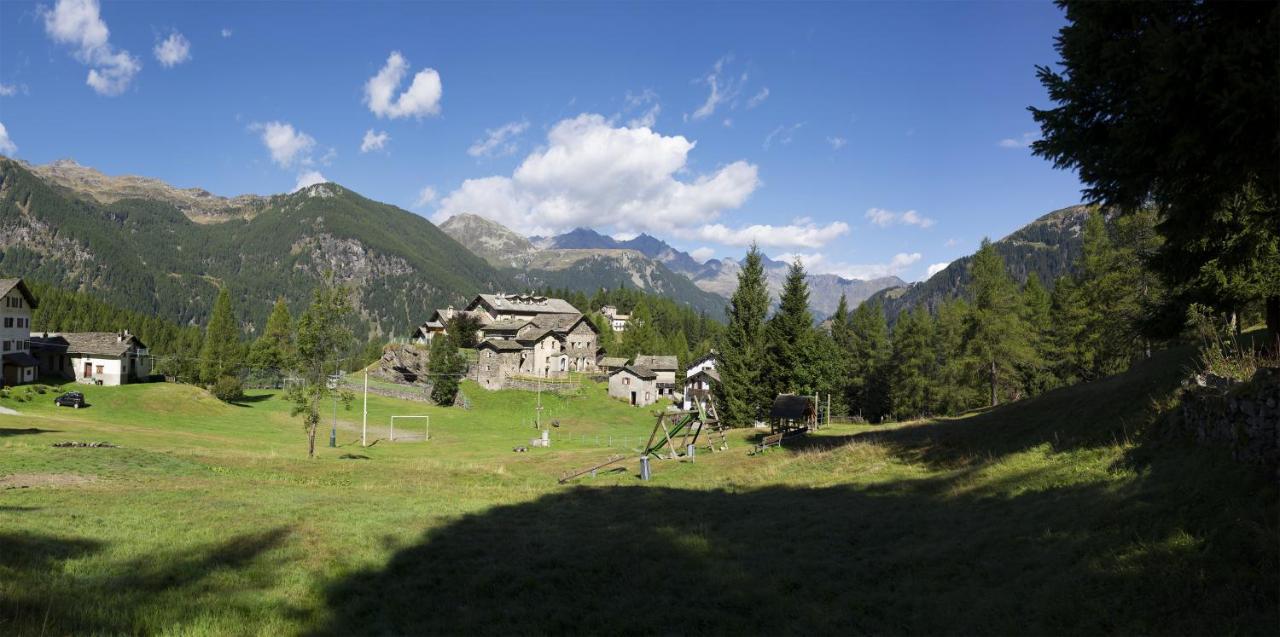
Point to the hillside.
(147, 255)
(1048, 246)
(577, 262)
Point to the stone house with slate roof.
(664, 368)
(636, 385)
(102, 358)
(531, 336)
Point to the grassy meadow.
(1067, 514)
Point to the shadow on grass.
(1160, 555)
(145, 595)
(9, 431)
(1102, 412)
(248, 400)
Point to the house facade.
(617, 320)
(101, 358)
(637, 386)
(664, 369)
(17, 365)
(532, 337)
(698, 378)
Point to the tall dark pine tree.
(445, 366)
(997, 335)
(791, 347)
(1175, 104)
(221, 354)
(271, 354)
(867, 392)
(912, 365)
(739, 396)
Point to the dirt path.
(5, 411)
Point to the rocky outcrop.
(1242, 417)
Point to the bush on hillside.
(228, 389)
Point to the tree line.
(996, 342)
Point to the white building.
(617, 320)
(699, 377)
(17, 365)
(101, 358)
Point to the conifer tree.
(324, 330)
(868, 358)
(1036, 372)
(740, 398)
(221, 355)
(997, 333)
(954, 384)
(445, 365)
(912, 364)
(274, 349)
(791, 354)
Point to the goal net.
(410, 428)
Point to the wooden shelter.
(793, 413)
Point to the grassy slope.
(1048, 516)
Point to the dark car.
(72, 399)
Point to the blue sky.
(870, 138)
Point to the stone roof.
(613, 361)
(709, 372)
(8, 284)
(509, 325)
(657, 363)
(643, 373)
(92, 343)
(526, 304)
(501, 345)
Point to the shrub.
(228, 389)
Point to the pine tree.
(221, 354)
(445, 365)
(273, 351)
(1037, 309)
(791, 355)
(740, 398)
(998, 335)
(912, 365)
(868, 358)
(954, 384)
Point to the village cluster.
(100, 358)
(523, 337)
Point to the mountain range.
(647, 257)
(151, 247)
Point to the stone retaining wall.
(1243, 417)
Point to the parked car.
(73, 399)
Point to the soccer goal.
(410, 431)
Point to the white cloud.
(723, 89)
(287, 145)
(783, 134)
(728, 122)
(374, 141)
(498, 142)
(226, 33)
(885, 218)
(592, 173)
(8, 90)
(817, 263)
(837, 142)
(806, 235)
(79, 25)
(702, 254)
(936, 268)
(647, 102)
(174, 50)
(758, 98)
(421, 99)
(308, 178)
(6, 145)
(1019, 142)
(425, 197)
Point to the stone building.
(636, 385)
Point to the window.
(99, 370)
(8, 321)
(6, 346)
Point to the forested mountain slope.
(1048, 246)
(148, 256)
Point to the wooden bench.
(772, 440)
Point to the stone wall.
(1242, 417)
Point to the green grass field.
(1069, 513)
